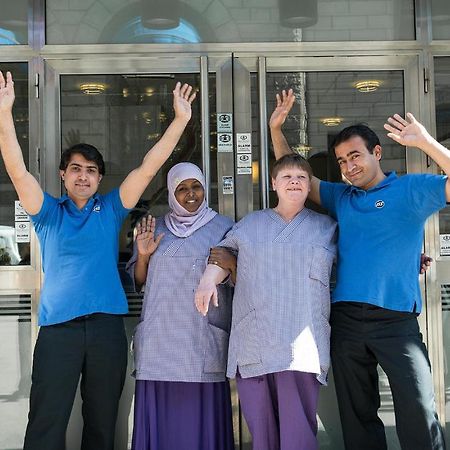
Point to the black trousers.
(95, 347)
(364, 336)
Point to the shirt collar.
(65, 198)
(390, 177)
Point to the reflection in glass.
(442, 98)
(15, 375)
(124, 116)
(440, 15)
(192, 21)
(14, 22)
(327, 102)
(11, 252)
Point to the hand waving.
(145, 236)
(407, 132)
(182, 100)
(285, 101)
(6, 92)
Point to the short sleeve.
(426, 193)
(231, 239)
(130, 266)
(330, 194)
(48, 207)
(113, 198)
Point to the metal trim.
(204, 92)
(264, 147)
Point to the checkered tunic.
(281, 301)
(173, 341)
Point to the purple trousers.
(280, 410)
(182, 416)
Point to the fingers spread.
(400, 119)
(192, 97)
(411, 117)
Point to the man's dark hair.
(291, 160)
(361, 130)
(87, 151)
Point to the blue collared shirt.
(79, 257)
(380, 237)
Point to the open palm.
(182, 100)
(145, 236)
(406, 132)
(6, 92)
(285, 101)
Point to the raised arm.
(412, 133)
(207, 289)
(285, 101)
(136, 182)
(27, 188)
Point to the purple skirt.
(172, 415)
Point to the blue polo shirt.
(79, 257)
(380, 237)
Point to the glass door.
(123, 108)
(331, 93)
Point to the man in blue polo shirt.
(377, 298)
(82, 299)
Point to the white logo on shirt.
(96, 208)
(379, 204)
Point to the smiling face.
(190, 194)
(292, 185)
(360, 167)
(81, 179)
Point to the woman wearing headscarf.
(182, 398)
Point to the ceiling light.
(147, 117)
(92, 88)
(302, 150)
(367, 85)
(160, 14)
(298, 13)
(149, 91)
(331, 121)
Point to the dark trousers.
(95, 347)
(362, 337)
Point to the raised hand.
(407, 132)
(285, 101)
(145, 236)
(182, 100)
(6, 92)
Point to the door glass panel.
(326, 102)
(14, 22)
(199, 21)
(124, 116)
(15, 361)
(13, 253)
(440, 15)
(442, 95)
